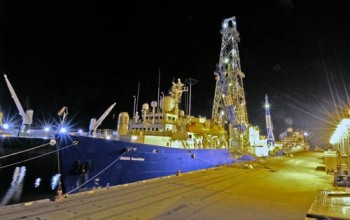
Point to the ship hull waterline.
(94, 163)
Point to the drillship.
(162, 140)
(153, 145)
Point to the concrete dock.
(280, 188)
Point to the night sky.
(87, 55)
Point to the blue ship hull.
(94, 163)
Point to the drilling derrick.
(229, 106)
(270, 138)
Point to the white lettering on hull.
(133, 158)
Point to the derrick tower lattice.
(229, 100)
(269, 129)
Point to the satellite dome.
(145, 106)
(167, 104)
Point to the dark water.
(27, 176)
(23, 183)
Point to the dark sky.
(88, 54)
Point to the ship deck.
(281, 188)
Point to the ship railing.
(29, 134)
(39, 134)
(105, 134)
(104, 131)
(154, 133)
(9, 132)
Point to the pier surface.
(279, 188)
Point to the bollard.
(179, 173)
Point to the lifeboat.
(198, 128)
(217, 130)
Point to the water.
(26, 171)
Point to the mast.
(176, 92)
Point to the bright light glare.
(55, 180)
(37, 182)
(340, 131)
(63, 130)
(6, 126)
(46, 129)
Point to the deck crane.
(27, 117)
(229, 100)
(95, 124)
(269, 129)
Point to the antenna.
(190, 82)
(158, 90)
(137, 97)
(134, 108)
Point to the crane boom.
(95, 124)
(25, 119)
(104, 115)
